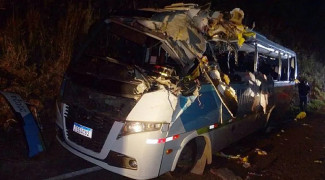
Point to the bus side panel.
(229, 133)
(201, 113)
(204, 111)
(283, 94)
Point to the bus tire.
(186, 160)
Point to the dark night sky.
(297, 24)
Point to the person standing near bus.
(304, 90)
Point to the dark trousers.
(303, 103)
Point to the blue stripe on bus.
(199, 115)
(182, 102)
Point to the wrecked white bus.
(149, 95)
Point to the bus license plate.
(82, 130)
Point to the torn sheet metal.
(181, 6)
(226, 93)
(237, 16)
(33, 136)
(229, 30)
(180, 27)
(187, 27)
(191, 26)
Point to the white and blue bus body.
(108, 115)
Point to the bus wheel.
(186, 160)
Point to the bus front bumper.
(137, 160)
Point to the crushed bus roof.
(188, 22)
(266, 46)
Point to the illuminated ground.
(295, 150)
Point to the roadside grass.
(36, 46)
(316, 104)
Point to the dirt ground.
(292, 150)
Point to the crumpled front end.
(122, 146)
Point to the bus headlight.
(131, 127)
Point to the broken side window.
(292, 68)
(245, 62)
(223, 62)
(284, 70)
(266, 65)
(236, 70)
(274, 68)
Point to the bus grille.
(101, 125)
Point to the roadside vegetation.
(36, 44)
(313, 71)
(37, 41)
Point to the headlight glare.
(134, 127)
(131, 127)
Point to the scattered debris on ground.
(318, 161)
(260, 152)
(30, 124)
(300, 116)
(240, 160)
